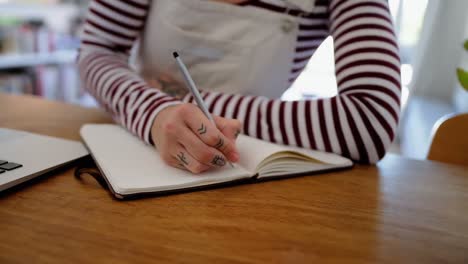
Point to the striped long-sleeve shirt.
(360, 122)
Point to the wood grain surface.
(400, 211)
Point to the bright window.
(318, 78)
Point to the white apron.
(227, 48)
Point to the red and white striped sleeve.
(361, 121)
(110, 30)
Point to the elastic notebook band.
(84, 169)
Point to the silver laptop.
(24, 155)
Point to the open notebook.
(131, 167)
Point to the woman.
(243, 54)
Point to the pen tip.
(175, 54)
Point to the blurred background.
(38, 47)
(39, 41)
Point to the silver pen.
(193, 89)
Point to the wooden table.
(401, 210)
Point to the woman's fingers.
(182, 158)
(231, 128)
(186, 138)
(210, 134)
(200, 151)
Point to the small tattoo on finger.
(202, 129)
(182, 158)
(181, 165)
(220, 143)
(218, 161)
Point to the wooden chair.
(450, 140)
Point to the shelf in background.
(15, 61)
(36, 10)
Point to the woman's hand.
(186, 138)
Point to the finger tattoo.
(220, 143)
(182, 158)
(202, 129)
(218, 161)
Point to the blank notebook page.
(132, 166)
